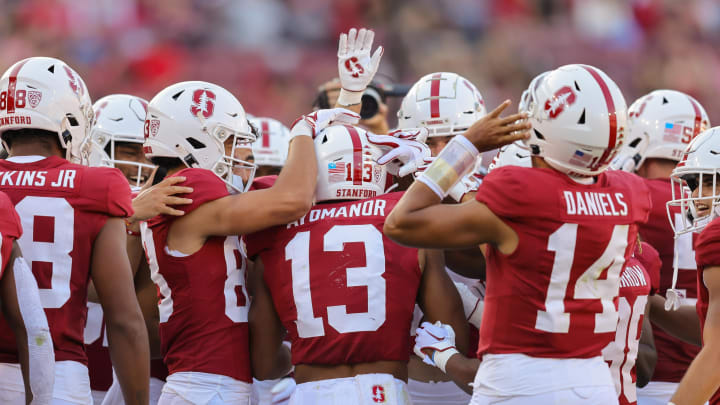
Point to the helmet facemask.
(699, 210)
(236, 172)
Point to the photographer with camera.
(374, 111)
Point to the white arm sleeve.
(40, 346)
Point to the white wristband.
(349, 97)
(456, 160)
(440, 358)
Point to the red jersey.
(555, 295)
(10, 230)
(203, 300)
(707, 254)
(674, 356)
(62, 207)
(96, 347)
(639, 279)
(342, 289)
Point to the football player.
(660, 126)
(116, 140)
(446, 104)
(74, 231)
(271, 148)
(697, 175)
(557, 237)
(24, 313)
(349, 306)
(116, 137)
(196, 259)
(632, 359)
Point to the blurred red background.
(273, 53)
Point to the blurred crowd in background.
(272, 54)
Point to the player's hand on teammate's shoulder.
(493, 131)
(160, 199)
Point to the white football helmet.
(118, 118)
(45, 93)
(347, 168)
(444, 103)
(697, 170)
(271, 147)
(578, 117)
(661, 124)
(192, 121)
(514, 154)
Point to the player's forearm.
(462, 370)
(295, 186)
(701, 379)
(130, 353)
(683, 323)
(21, 339)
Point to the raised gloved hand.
(437, 337)
(405, 151)
(355, 65)
(282, 391)
(311, 124)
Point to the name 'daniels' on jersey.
(595, 203)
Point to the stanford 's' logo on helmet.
(636, 113)
(74, 82)
(204, 102)
(561, 99)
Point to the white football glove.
(311, 124)
(472, 304)
(438, 337)
(403, 154)
(355, 65)
(282, 391)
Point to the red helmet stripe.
(265, 133)
(357, 154)
(435, 95)
(611, 112)
(12, 83)
(698, 117)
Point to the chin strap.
(672, 296)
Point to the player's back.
(203, 300)
(639, 279)
(63, 207)
(343, 290)
(553, 296)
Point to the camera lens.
(370, 105)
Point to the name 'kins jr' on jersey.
(64, 178)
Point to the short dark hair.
(30, 135)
